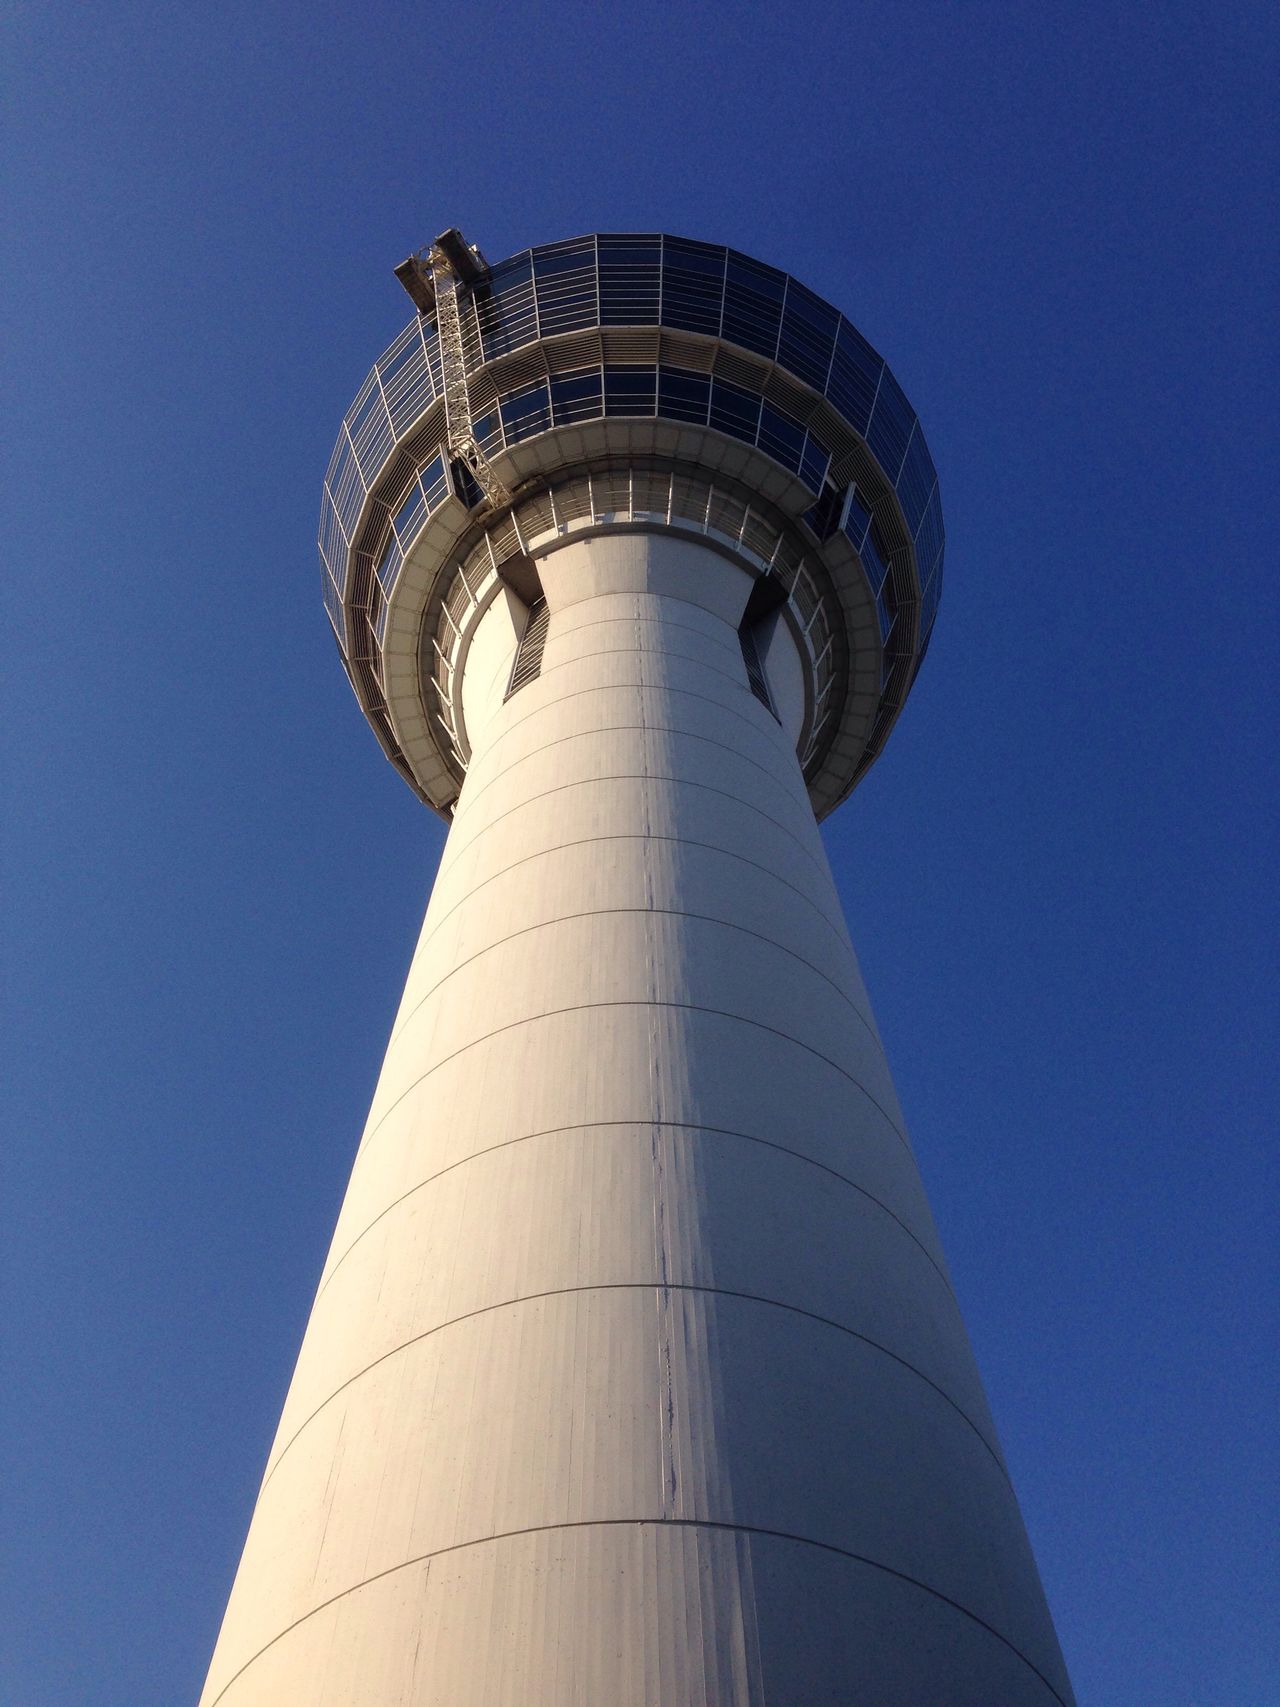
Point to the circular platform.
(635, 381)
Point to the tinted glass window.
(808, 335)
(692, 286)
(630, 279)
(566, 278)
(577, 397)
(891, 424)
(874, 558)
(929, 536)
(857, 521)
(388, 562)
(406, 378)
(683, 395)
(468, 487)
(735, 411)
(814, 463)
(855, 376)
(504, 307)
(781, 436)
(333, 604)
(753, 304)
(916, 481)
(525, 412)
(630, 390)
(408, 516)
(434, 484)
(929, 603)
(488, 432)
(825, 514)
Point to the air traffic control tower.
(634, 1377)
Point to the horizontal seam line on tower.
(631, 912)
(654, 622)
(647, 652)
(801, 800)
(654, 1523)
(634, 1002)
(668, 1125)
(654, 1285)
(667, 598)
(619, 687)
(629, 776)
(628, 836)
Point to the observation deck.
(633, 381)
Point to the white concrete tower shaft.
(635, 1377)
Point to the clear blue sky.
(1059, 224)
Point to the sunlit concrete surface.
(635, 1377)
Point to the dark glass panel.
(499, 277)
(692, 286)
(566, 277)
(388, 564)
(781, 436)
(434, 484)
(525, 412)
(504, 307)
(488, 432)
(808, 335)
(684, 395)
(916, 481)
(568, 312)
(409, 516)
(629, 248)
(378, 611)
(735, 411)
(332, 541)
(878, 542)
(369, 427)
(577, 397)
(857, 521)
(825, 514)
(549, 258)
(875, 560)
(465, 483)
(753, 304)
(630, 390)
(855, 376)
(929, 603)
(890, 428)
(930, 534)
(630, 280)
(333, 604)
(814, 463)
(406, 378)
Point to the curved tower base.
(635, 1378)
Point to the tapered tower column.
(635, 1377)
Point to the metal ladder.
(459, 429)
